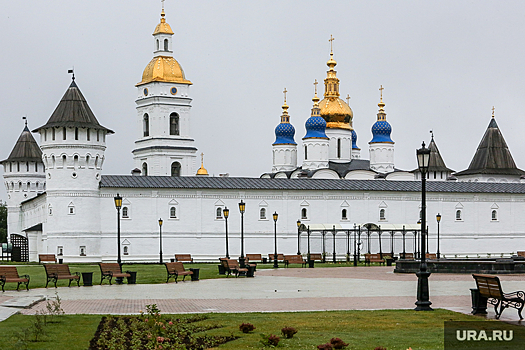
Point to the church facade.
(60, 200)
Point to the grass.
(363, 330)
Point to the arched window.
(494, 215)
(125, 250)
(304, 213)
(88, 133)
(98, 135)
(96, 162)
(20, 185)
(36, 167)
(29, 186)
(166, 45)
(45, 135)
(125, 212)
(219, 213)
(174, 124)
(87, 161)
(344, 214)
(338, 148)
(157, 44)
(146, 125)
(458, 215)
(76, 133)
(262, 214)
(18, 166)
(173, 212)
(27, 166)
(53, 134)
(53, 160)
(382, 214)
(64, 161)
(305, 152)
(10, 167)
(64, 132)
(175, 169)
(144, 169)
(75, 159)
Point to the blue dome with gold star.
(284, 134)
(315, 127)
(381, 131)
(354, 140)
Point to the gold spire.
(493, 111)
(202, 170)
(163, 27)
(285, 118)
(316, 99)
(381, 115)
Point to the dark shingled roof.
(73, 111)
(241, 183)
(436, 162)
(26, 149)
(492, 156)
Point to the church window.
(157, 44)
(458, 215)
(304, 213)
(126, 250)
(36, 167)
(96, 162)
(382, 215)
(53, 136)
(344, 214)
(218, 213)
(305, 152)
(18, 166)
(494, 215)
(166, 45)
(50, 210)
(64, 158)
(87, 161)
(173, 212)
(338, 148)
(82, 250)
(262, 214)
(174, 124)
(146, 125)
(76, 161)
(10, 167)
(71, 209)
(29, 186)
(53, 161)
(45, 134)
(144, 169)
(27, 166)
(64, 132)
(175, 169)
(125, 212)
(98, 135)
(60, 250)
(76, 133)
(88, 133)
(20, 185)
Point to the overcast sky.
(443, 66)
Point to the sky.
(443, 66)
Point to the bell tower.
(164, 146)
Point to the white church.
(59, 200)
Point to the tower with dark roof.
(437, 170)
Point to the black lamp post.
(438, 218)
(242, 208)
(423, 303)
(226, 213)
(298, 237)
(355, 246)
(118, 205)
(275, 217)
(160, 231)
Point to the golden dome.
(165, 69)
(163, 27)
(336, 112)
(202, 170)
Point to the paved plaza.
(282, 290)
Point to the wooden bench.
(57, 272)
(254, 257)
(280, 257)
(10, 274)
(522, 254)
(232, 266)
(110, 270)
(46, 258)
(316, 256)
(431, 256)
(490, 287)
(183, 258)
(408, 256)
(370, 258)
(294, 259)
(176, 269)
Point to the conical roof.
(436, 162)
(26, 149)
(493, 155)
(73, 111)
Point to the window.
(304, 213)
(146, 125)
(382, 214)
(10, 167)
(344, 214)
(76, 133)
(157, 44)
(338, 148)
(53, 134)
(45, 135)
(173, 212)
(27, 166)
(75, 161)
(174, 124)
(87, 161)
(64, 160)
(88, 132)
(262, 214)
(165, 44)
(50, 209)
(29, 186)
(98, 135)
(125, 212)
(494, 215)
(60, 250)
(71, 209)
(82, 250)
(305, 152)
(18, 166)
(458, 215)
(36, 167)
(219, 213)
(126, 250)
(144, 169)
(175, 169)
(64, 132)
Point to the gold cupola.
(202, 171)
(335, 111)
(163, 67)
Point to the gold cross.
(202, 158)
(284, 92)
(315, 84)
(331, 39)
(493, 111)
(381, 89)
(348, 99)
(162, 3)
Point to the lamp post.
(160, 247)
(423, 303)
(438, 218)
(118, 205)
(275, 217)
(226, 213)
(355, 246)
(242, 208)
(298, 237)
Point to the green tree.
(3, 222)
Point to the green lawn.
(363, 330)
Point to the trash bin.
(172, 260)
(132, 279)
(195, 276)
(265, 260)
(251, 270)
(87, 278)
(479, 302)
(222, 270)
(60, 261)
(311, 263)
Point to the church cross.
(331, 40)
(202, 154)
(493, 111)
(162, 4)
(315, 84)
(348, 99)
(284, 92)
(381, 89)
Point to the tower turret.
(381, 146)
(284, 147)
(315, 142)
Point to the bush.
(246, 327)
(338, 343)
(326, 346)
(380, 348)
(288, 332)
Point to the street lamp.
(160, 231)
(275, 217)
(438, 218)
(423, 303)
(242, 208)
(226, 213)
(118, 205)
(298, 237)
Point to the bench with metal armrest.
(490, 287)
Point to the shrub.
(380, 348)
(246, 327)
(326, 346)
(338, 343)
(288, 332)
(273, 340)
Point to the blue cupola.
(315, 125)
(285, 132)
(381, 129)
(354, 140)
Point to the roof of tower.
(73, 111)
(493, 155)
(164, 69)
(26, 148)
(436, 162)
(163, 27)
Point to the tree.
(3, 222)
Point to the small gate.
(20, 250)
